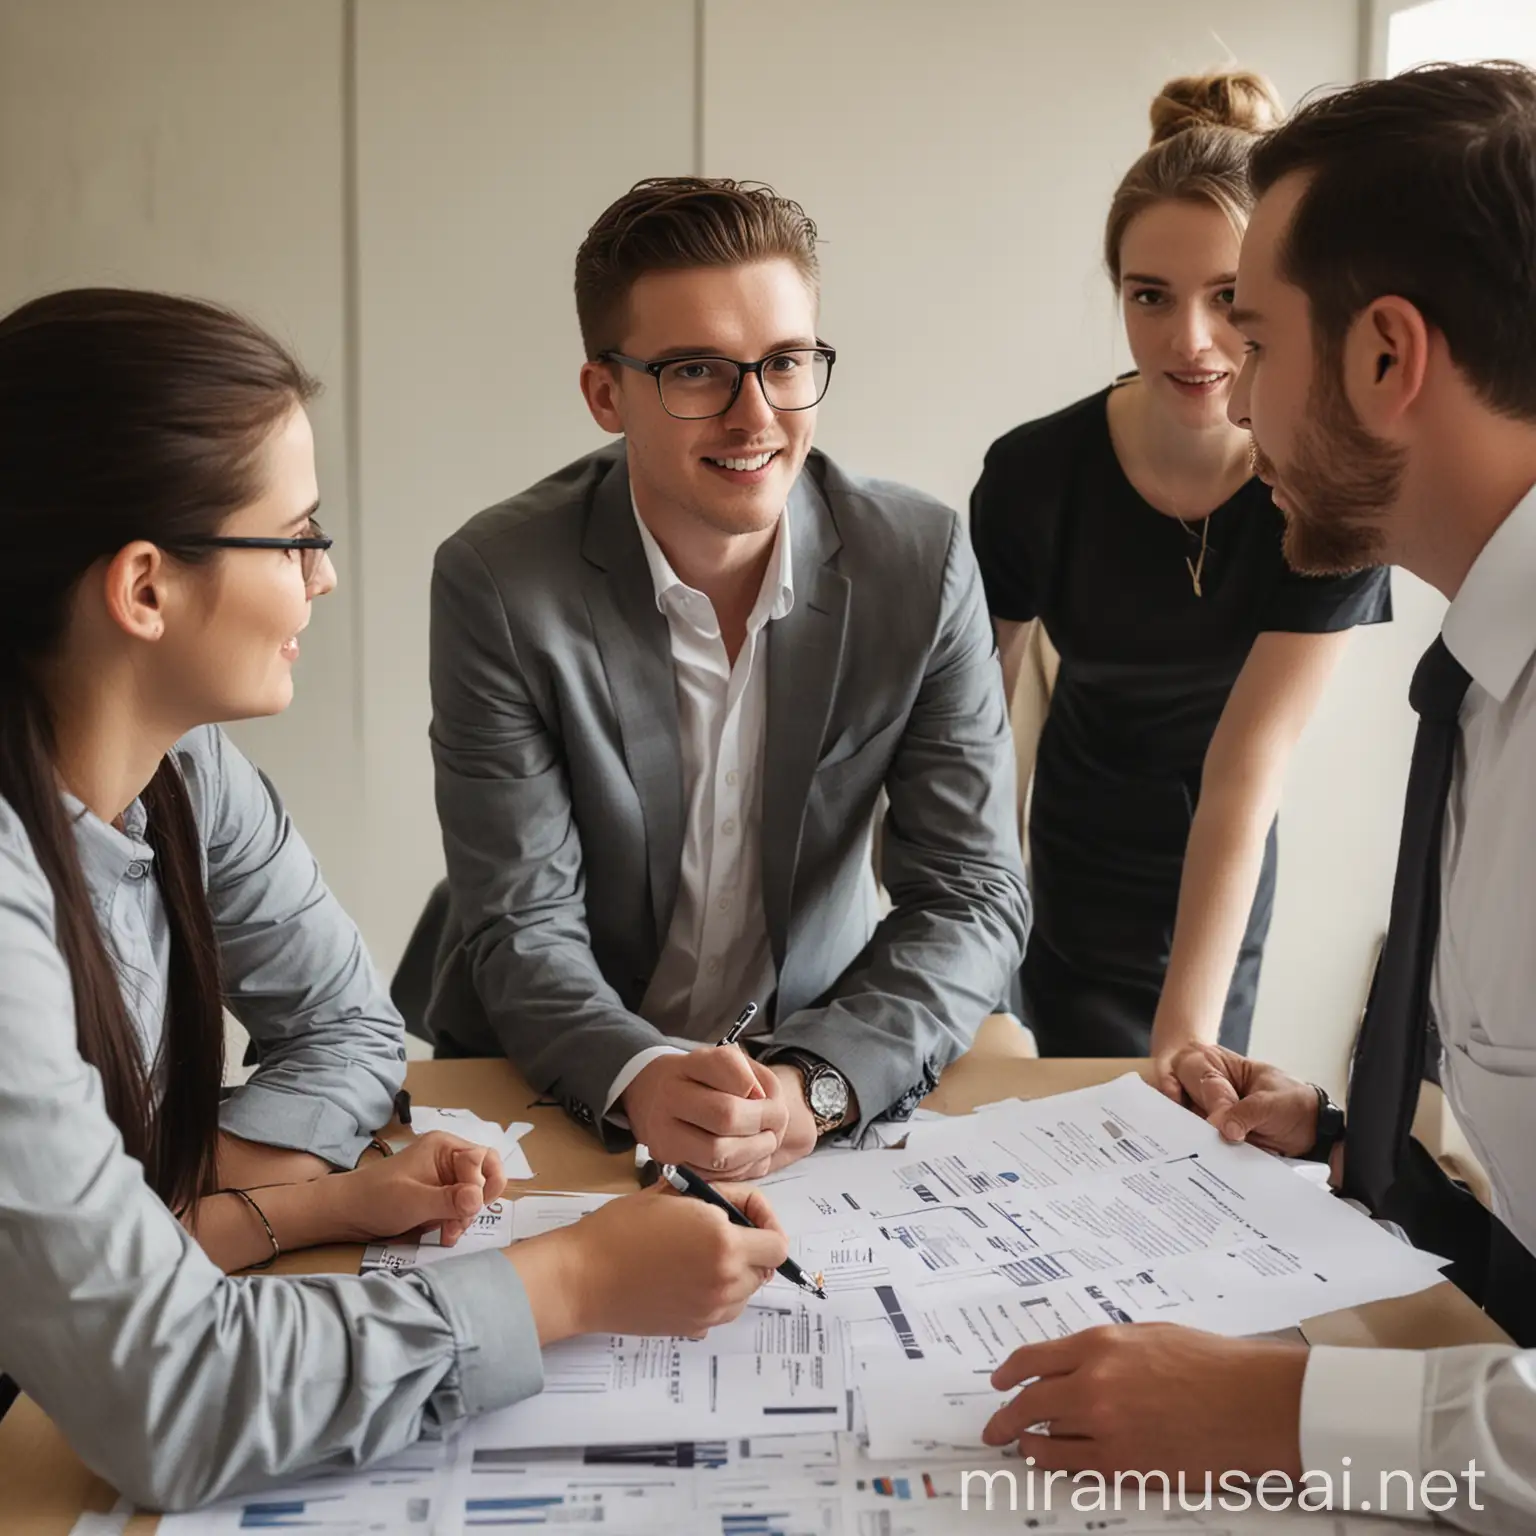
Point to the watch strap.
(1330, 1127)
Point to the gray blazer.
(560, 787)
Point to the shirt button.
(725, 903)
(728, 826)
(712, 966)
(137, 871)
(733, 778)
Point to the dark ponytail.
(125, 416)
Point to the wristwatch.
(826, 1089)
(1330, 1127)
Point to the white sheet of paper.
(500, 1224)
(400, 1495)
(816, 1484)
(485, 1133)
(770, 1372)
(492, 1228)
(533, 1214)
(111, 1522)
(1114, 1187)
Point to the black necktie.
(1389, 1058)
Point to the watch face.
(828, 1096)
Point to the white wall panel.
(182, 145)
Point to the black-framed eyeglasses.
(310, 546)
(697, 387)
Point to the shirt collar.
(776, 596)
(106, 855)
(1490, 627)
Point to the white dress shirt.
(717, 956)
(1418, 1411)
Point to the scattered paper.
(499, 1225)
(533, 1214)
(772, 1371)
(896, 1133)
(401, 1495)
(861, 1416)
(110, 1522)
(1112, 1188)
(811, 1484)
(485, 1133)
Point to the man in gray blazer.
(670, 683)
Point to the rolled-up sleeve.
(174, 1382)
(296, 972)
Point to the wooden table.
(44, 1486)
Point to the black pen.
(686, 1182)
(745, 1017)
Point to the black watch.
(1330, 1128)
(826, 1089)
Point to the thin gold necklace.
(1196, 567)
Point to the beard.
(1339, 484)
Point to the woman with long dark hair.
(159, 552)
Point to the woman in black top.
(1130, 525)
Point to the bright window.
(1462, 32)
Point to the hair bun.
(1227, 99)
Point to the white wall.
(195, 147)
(399, 186)
(490, 136)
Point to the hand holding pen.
(651, 1263)
(649, 1168)
(714, 1109)
(686, 1182)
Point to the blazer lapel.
(636, 653)
(805, 651)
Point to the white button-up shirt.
(1412, 1411)
(717, 956)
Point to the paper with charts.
(824, 1484)
(499, 1225)
(1022, 1222)
(1109, 1204)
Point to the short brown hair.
(1423, 187)
(670, 223)
(1204, 128)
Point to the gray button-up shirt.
(176, 1382)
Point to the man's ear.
(600, 389)
(1386, 358)
(135, 589)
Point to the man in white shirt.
(670, 685)
(1388, 290)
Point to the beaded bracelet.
(266, 1226)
